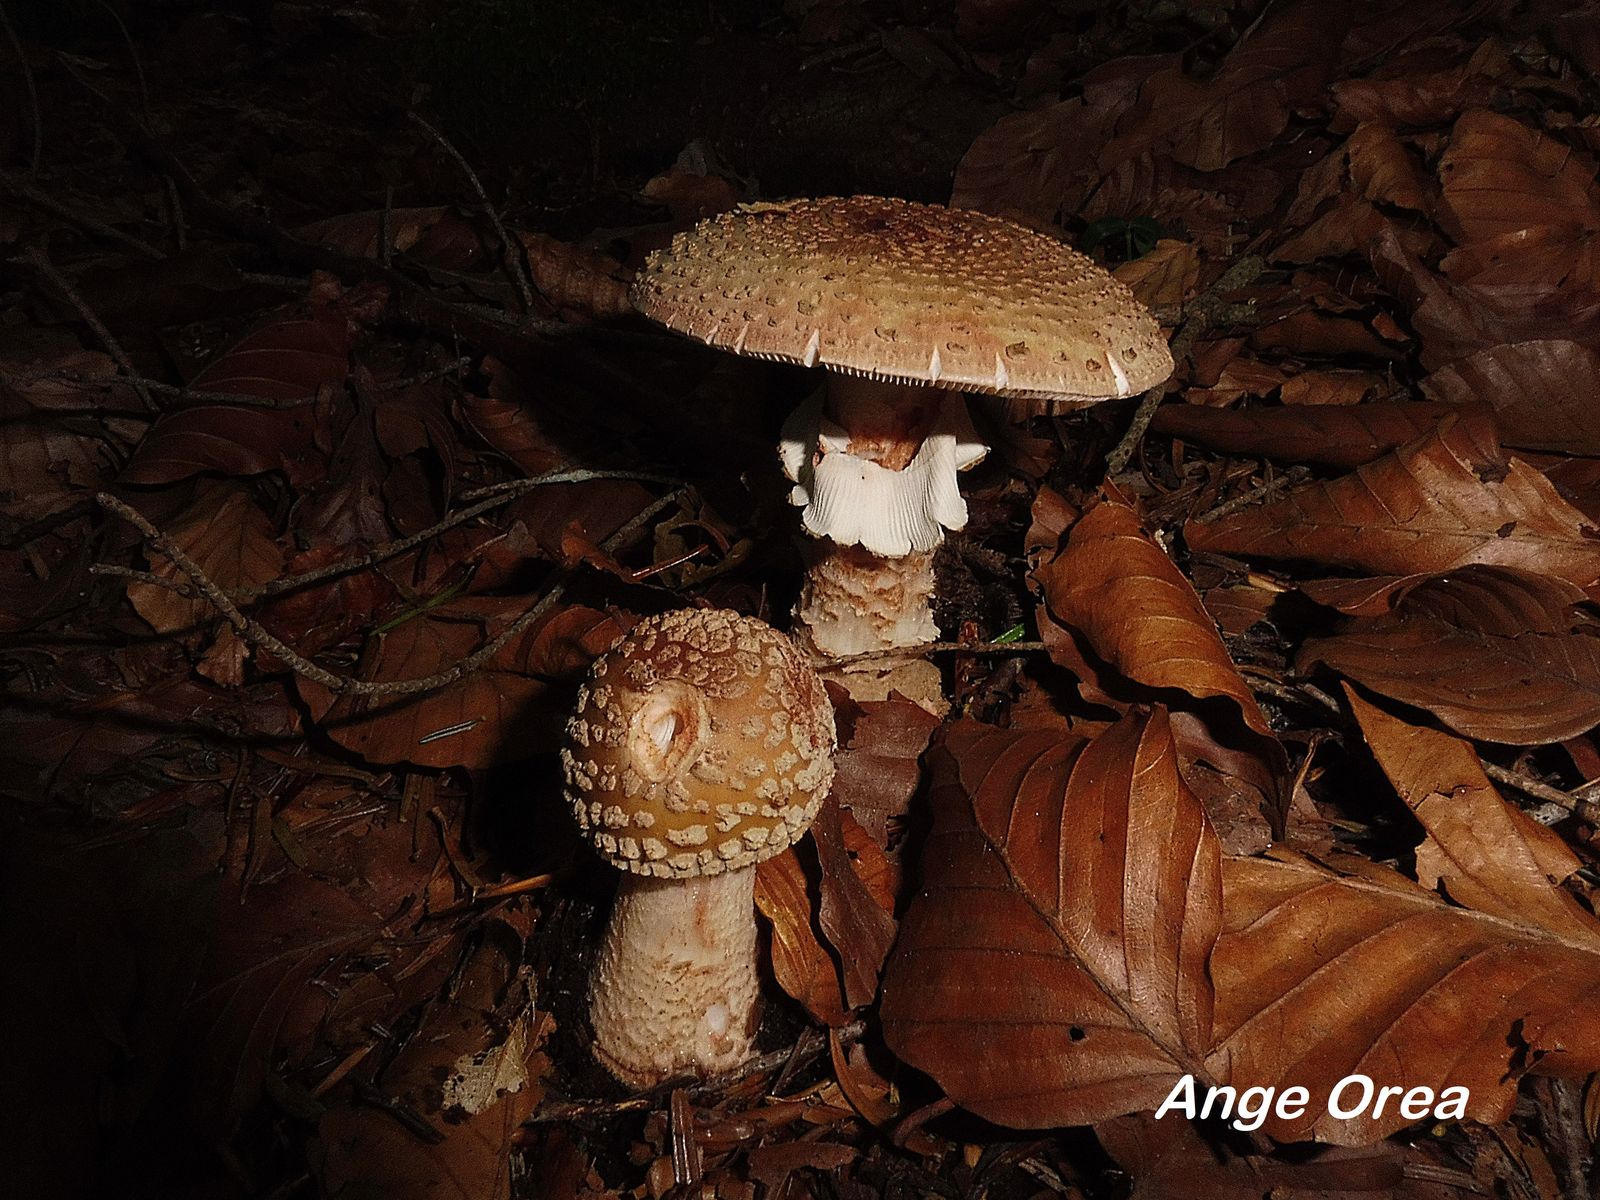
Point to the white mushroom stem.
(674, 989)
(875, 466)
(854, 602)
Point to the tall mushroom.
(908, 305)
(701, 744)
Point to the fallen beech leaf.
(1545, 394)
(231, 539)
(1052, 971)
(1166, 276)
(829, 938)
(1421, 508)
(1113, 585)
(289, 359)
(1499, 655)
(1336, 436)
(1207, 124)
(1423, 98)
(1171, 1159)
(1455, 318)
(877, 769)
(1501, 177)
(1321, 976)
(857, 921)
(507, 709)
(1383, 170)
(1488, 855)
(800, 962)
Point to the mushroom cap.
(702, 742)
(916, 293)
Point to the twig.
(496, 495)
(933, 648)
(37, 149)
(509, 249)
(1291, 477)
(40, 199)
(254, 633)
(41, 263)
(1204, 311)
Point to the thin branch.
(254, 633)
(41, 263)
(933, 648)
(495, 496)
(509, 250)
(40, 199)
(1294, 475)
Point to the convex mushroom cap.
(702, 742)
(913, 293)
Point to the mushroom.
(908, 305)
(701, 744)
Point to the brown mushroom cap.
(908, 292)
(702, 742)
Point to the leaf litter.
(332, 455)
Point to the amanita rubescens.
(908, 305)
(701, 744)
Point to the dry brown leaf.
(1411, 97)
(1422, 508)
(1133, 607)
(1454, 319)
(507, 709)
(1545, 394)
(877, 768)
(1164, 277)
(1337, 435)
(855, 917)
(1341, 388)
(231, 539)
(1501, 177)
(1498, 655)
(1245, 105)
(800, 961)
(288, 359)
(1383, 170)
(831, 930)
(1171, 1159)
(1321, 976)
(1052, 972)
(1486, 854)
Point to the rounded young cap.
(911, 292)
(702, 742)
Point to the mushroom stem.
(876, 466)
(674, 988)
(854, 602)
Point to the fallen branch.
(254, 633)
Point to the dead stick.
(41, 263)
(252, 631)
(508, 248)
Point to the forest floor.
(332, 452)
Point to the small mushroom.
(701, 744)
(908, 305)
